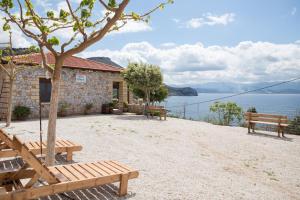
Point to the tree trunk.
(51, 135)
(9, 105)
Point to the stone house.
(83, 82)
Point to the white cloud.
(210, 20)
(133, 27)
(294, 11)
(18, 39)
(194, 63)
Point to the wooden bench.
(260, 118)
(151, 110)
(21, 184)
(61, 146)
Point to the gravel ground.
(181, 159)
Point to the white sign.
(80, 78)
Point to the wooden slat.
(89, 169)
(112, 168)
(58, 174)
(123, 170)
(66, 173)
(75, 172)
(99, 165)
(30, 158)
(104, 172)
(121, 165)
(265, 115)
(84, 171)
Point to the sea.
(196, 107)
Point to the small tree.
(85, 28)
(227, 112)
(11, 70)
(157, 95)
(144, 77)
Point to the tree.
(144, 77)
(84, 27)
(11, 70)
(227, 112)
(157, 95)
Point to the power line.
(241, 93)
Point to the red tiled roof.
(70, 62)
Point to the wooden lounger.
(61, 178)
(61, 146)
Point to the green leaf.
(88, 24)
(50, 14)
(63, 14)
(53, 41)
(44, 29)
(135, 16)
(112, 3)
(85, 13)
(7, 4)
(170, 1)
(6, 26)
(161, 6)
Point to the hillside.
(184, 91)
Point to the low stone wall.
(136, 108)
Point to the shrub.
(21, 112)
(252, 109)
(62, 109)
(87, 108)
(294, 126)
(227, 112)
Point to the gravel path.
(181, 159)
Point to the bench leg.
(278, 131)
(249, 127)
(69, 155)
(123, 184)
(253, 128)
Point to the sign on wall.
(80, 78)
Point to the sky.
(199, 41)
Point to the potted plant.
(87, 108)
(21, 112)
(62, 109)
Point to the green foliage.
(53, 41)
(252, 110)
(142, 76)
(62, 109)
(85, 14)
(88, 107)
(294, 126)
(50, 14)
(112, 3)
(227, 112)
(157, 95)
(6, 4)
(21, 112)
(63, 14)
(6, 26)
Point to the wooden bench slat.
(84, 171)
(95, 169)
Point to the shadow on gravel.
(260, 134)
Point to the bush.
(21, 112)
(294, 126)
(252, 110)
(227, 112)
(87, 108)
(62, 109)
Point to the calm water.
(286, 104)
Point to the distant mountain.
(225, 87)
(184, 91)
(105, 60)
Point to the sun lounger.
(61, 146)
(61, 178)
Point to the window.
(45, 90)
(116, 86)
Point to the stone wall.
(97, 89)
